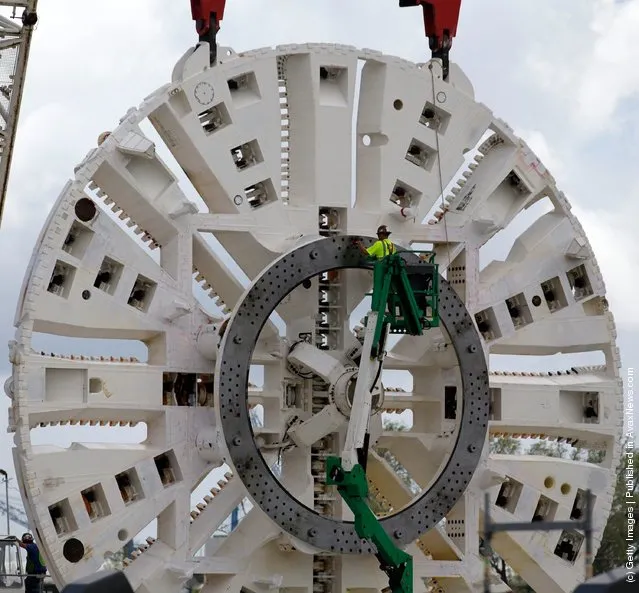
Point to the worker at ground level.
(381, 248)
(36, 568)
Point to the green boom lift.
(405, 301)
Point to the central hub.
(342, 392)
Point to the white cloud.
(611, 74)
(589, 71)
(613, 236)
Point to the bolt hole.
(86, 295)
(549, 482)
(398, 104)
(366, 140)
(73, 550)
(565, 488)
(536, 300)
(85, 209)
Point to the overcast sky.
(562, 74)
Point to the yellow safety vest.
(381, 248)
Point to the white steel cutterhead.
(163, 233)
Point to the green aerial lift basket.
(405, 294)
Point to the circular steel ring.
(231, 393)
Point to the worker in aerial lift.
(36, 568)
(381, 248)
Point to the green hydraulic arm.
(353, 488)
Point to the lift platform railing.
(405, 294)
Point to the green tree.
(612, 551)
(505, 445)
(392, 425)
(393, 462)
(566, 451)
(377, 505)
(550, 449)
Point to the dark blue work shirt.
(35, 563)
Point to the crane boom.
(13, 36)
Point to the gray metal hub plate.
(232, 371)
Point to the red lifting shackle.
(201, 10)
(440, 23)
(440, 19)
